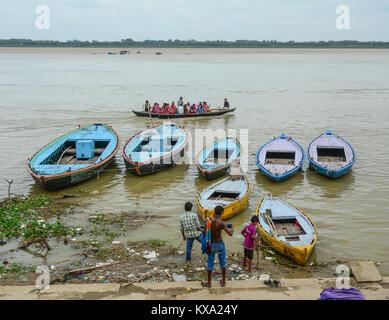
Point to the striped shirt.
(188, 224)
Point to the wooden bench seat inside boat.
(327, 154)
(224, 195)
(72, 151)
(280, 157)
(287, 226)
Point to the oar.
(60, 158)
(151, 118)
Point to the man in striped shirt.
(190, 229)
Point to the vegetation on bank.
(35, 217)
(130, 43)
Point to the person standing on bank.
(217, 246)
(190, 229)
(226, 104)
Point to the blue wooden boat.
(330, 155)
(74, 157)
(155, 149)
(214, 160)
(280, 158)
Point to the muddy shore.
(98, 257)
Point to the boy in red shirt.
(249, 233)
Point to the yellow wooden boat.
(231, 194)
(287, 229)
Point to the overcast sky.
(281, 20)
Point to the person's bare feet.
(222, 283)
(206, 284)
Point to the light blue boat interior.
(219, 154)
(155, 143)
(74, 150)
(282, 212)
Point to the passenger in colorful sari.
(173, 108)
(193, 109)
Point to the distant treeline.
(129, 43)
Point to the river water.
(301, 93)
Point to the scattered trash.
(151, 256)
(116, 242)
(269, 258)
(180, 252)
(179, 277)
(2, 242)
(264, 277)
(290, 289)
(23, 279)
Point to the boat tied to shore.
(280, 158)
(211, 113)
(155, 149)
(286, 229)
(330, 155)
(74, 157)
(231, 193)
(214, 160)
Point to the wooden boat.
(286, 229)
(155, 149)
(280, 158)
(212, 113)
(231, 194)
(74, 157)
(330, 155)
(214, 160)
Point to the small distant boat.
(214, 160)
(111, 53)
(124, 52)
(212, 113)
(280, 158)
(286, 229)
(75, 157)
(155, 149)
(330, 155)
(231, 194)
(158, 53)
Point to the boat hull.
(230, 210)
(298, 254)
(55, 183)
(155, 166)
(213, 174)
(280, 177)
(187, 115)
(327, 172)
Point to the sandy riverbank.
(58, 50)
(290, 289)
